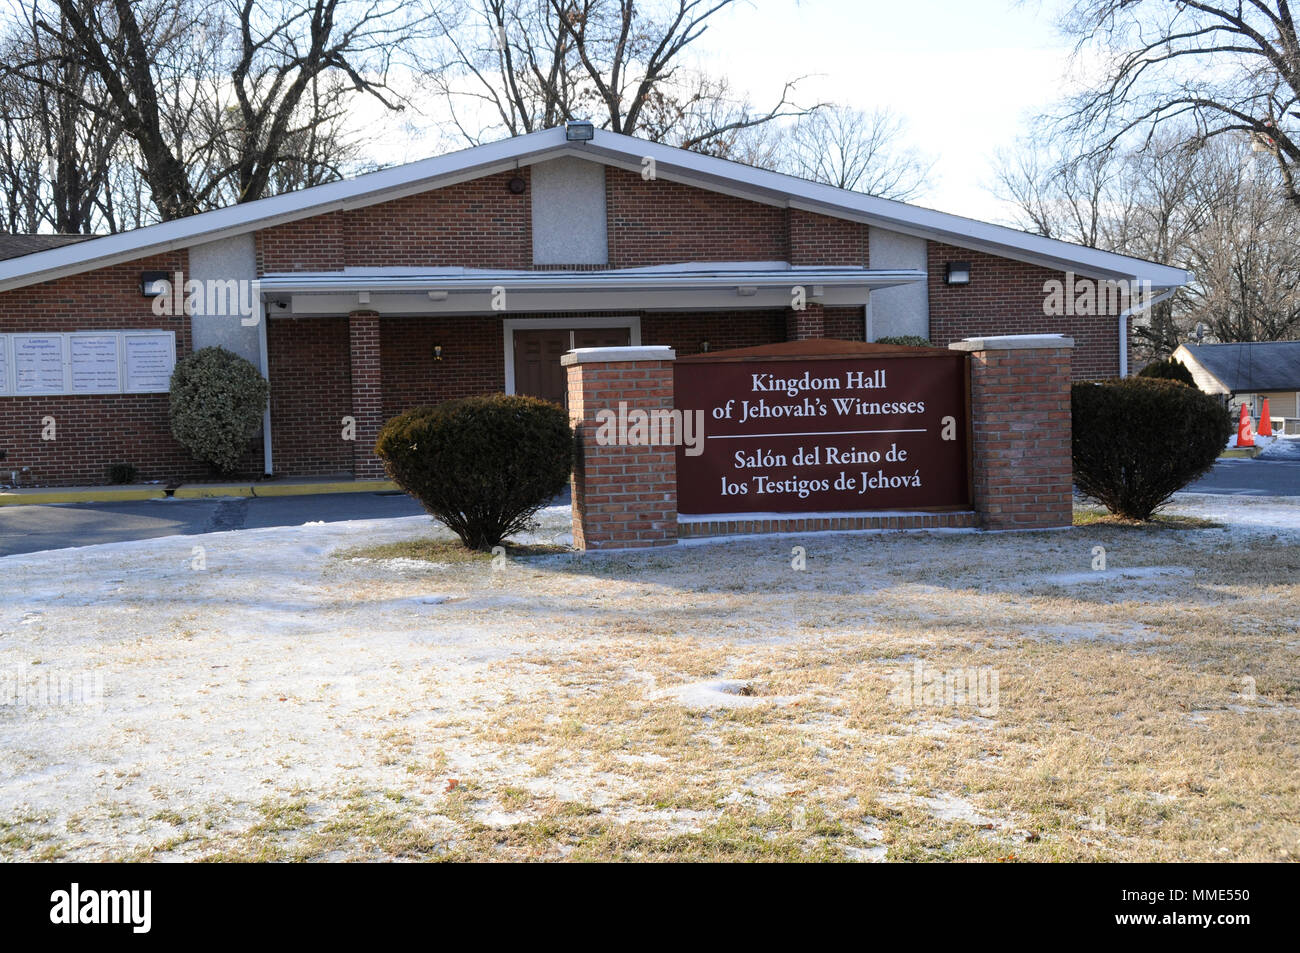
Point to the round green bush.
(482, 466)
(217, 402)
(910, 340)
(1139, 440)
(1168, 370)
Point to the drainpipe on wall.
(1123, 327)
(264, 354)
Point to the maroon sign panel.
(824, 426)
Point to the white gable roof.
(627, 152)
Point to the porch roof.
(682, 286)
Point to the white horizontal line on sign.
(823, 433)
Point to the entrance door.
(538, 372)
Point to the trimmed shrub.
(217, 402)
(1137, 441)
(482, 466)
(122, 473)
(1168, 370)
(909, 340)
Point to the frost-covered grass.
(311, 696)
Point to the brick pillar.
(367, 393)
(623, 496)
(808, 323)
(1020, 412)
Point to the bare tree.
(54, 155)
(215, 98)
(851, 149)
(1220, 68)
(1245, 255)
(1211, 207)
(535, 65)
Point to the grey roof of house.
(1251, 368)
(15, 246)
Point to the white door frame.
(508, 327)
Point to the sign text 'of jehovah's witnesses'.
(825, 434)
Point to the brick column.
(623, 496)
(1020, 409)
(805, 324)
(367, 393)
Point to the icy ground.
(256, 689)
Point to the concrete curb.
(80, 494)
(191, 491)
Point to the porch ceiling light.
(958, 273)
(579, 131)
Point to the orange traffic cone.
(1244, 437)
(1265, 425)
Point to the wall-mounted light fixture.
(704, 347)
(517, 185)
(437, 352)
(154, 284)
(958, 273)
(437, 296)
(579, 131)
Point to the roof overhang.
(472, 291)
(670, 163)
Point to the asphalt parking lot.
(29, 529)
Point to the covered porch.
(347, 350)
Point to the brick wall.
(684, 330)
(93, 431)
(311, 393)
(367, 392)
(473, 361)
(1020, 412)
(846, 324)
(479, 223)
(624, 497)
(822, 240)
(651, 223)
(1006, 297)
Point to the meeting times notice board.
(87, 362)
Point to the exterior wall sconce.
(437, 296)
(579, 131)
(154, 284)
(517, 185)
(704, 347)
(958, 273)
(437, 352)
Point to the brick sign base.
(625, 493)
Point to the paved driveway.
(1251, 478)
(27, 529)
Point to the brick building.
(474, 272)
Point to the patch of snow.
(1110, 575)
(719, 693)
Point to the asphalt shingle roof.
(1251, 368)
(15, 246)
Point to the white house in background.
(1248, 373)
